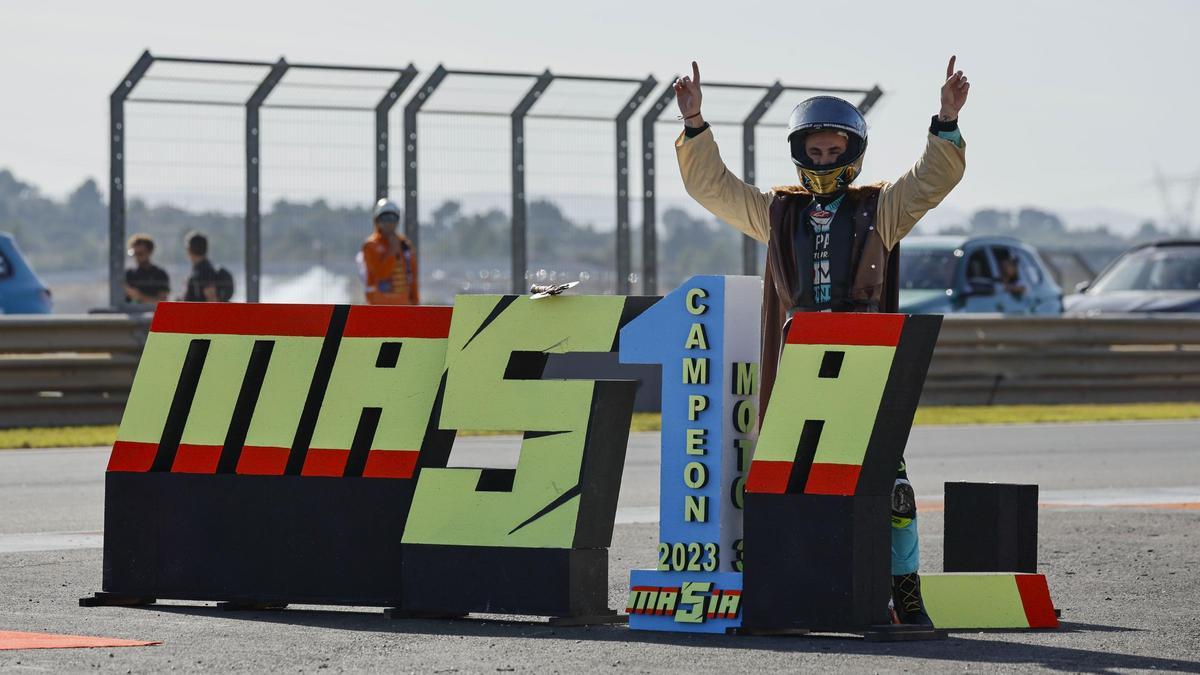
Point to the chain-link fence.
(506, 178)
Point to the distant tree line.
(72, 234)
(1043, 228)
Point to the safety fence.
(506, 177)
(72, 370)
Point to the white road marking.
(50, 541)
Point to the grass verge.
(66, 437)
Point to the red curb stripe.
(862, 330)
(325, 462)
(381, 321)
(224, 318)
(1035, 598)
(132, 457)
(192, 458)
(20, 640)
(263, 460)
(832, 479)
(768, 477)
(391, 464)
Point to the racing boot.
(906, 600)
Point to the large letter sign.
(705, 335)
(818, 496)
(534, 539)
(275, 454)
(267, 452)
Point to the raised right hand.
(687, 95)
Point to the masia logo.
(690, 602)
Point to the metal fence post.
(253, 210)
(519, 215)
(411, 220)
(749, 246)
(116, 179)
(624, 243)
(381, 128)
(649, 207)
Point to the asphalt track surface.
(1119, 542)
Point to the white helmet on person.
(386, 206)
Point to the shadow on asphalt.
(956, 648)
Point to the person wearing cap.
(389, 261)
(831, 246)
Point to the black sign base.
(494, 580)
(253, 540)
(899, 632)
(817, 562)
(115, 600)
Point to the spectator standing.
(145, 283)
(389, 261)
(207, 283)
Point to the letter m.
(695, 371)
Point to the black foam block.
(816, 562)
(257, 539)
(495, 580)
(990, 527)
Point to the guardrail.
(71, 370)
(984, 360)
(67, 370)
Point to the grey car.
(1162, 276)
(948, 274)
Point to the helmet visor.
(800, 156)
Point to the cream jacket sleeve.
(726, 196)
(901, 204)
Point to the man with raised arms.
(831, 247)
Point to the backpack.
(224, 285)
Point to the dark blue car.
(1162, 276)
(21, 291)
(950, 274)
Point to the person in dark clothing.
(145, 283)
(204, 283)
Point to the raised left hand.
(954, 93)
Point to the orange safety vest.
(391, 279)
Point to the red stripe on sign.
(738, 592)
(390, 464)
(322, 462)
(383, 321)
(132, 456)
(825, 328)
(645, 588)
(263, 460)
(225, 318)
(192, 458)
(768, 477)
(1035, 598)
(832, 479)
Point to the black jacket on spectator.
(151, 281)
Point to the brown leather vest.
(873, 270)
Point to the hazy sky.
(1072, 103)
